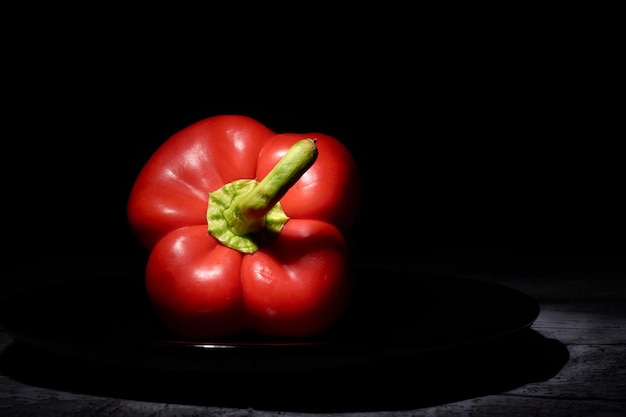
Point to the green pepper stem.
(246, 213)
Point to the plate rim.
(253, 353)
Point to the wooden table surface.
(570, 362)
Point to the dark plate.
(106, 318)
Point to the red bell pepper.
(247, 230)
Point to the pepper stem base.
(225, 221)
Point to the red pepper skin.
(296, 285)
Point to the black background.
(485, 132)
